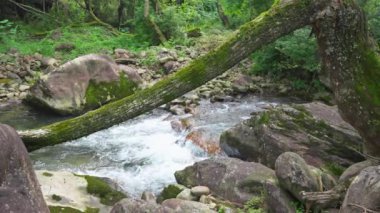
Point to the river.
(141, 154)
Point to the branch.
(113, 30)
(33, 10)
(363, 208)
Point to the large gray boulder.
(130, 205)
(82, 84)
(186, 206)
(315, 131)
(19, 188)
(232, 179)
(363, 195)
(294, 175)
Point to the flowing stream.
(143, 153)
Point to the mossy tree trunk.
(346, 50)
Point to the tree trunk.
(153, 24)
(346, 49)
(222, 15)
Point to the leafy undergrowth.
(83, 39)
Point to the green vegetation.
(254, 205)
(47, 174)
(334, 169)
(101, 189)
(62, 209)
(84, 38)
(293, 57)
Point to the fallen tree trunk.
(280, 20)
(347, 52)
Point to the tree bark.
(346, 49)
(153, 24)
(222, 15)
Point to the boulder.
(295, 175)
(185, 206)
(129, 205)
(232, 179)
(148, 196)
(278, 200)
(82, 84)
(314, 130)
(200, 190)
(363, 195)
(186, 195)
(19, 188)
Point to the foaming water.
(142, 154)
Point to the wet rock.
(19, 188)
(229, 178)
(294, 175)
(82, 84)
(315, 131)
(205, 140)
(241, 83)
(185, 206)
(200, 190)
(148, 196)
(363, 195)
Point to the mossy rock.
(170, 191)
(62, 209)
(100, 188)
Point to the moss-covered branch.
(281, 19)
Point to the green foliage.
(334, 169)
(293, 57)
(254, 205)
(298, 206)
(100, 188)
(242, 11)
(372, 10)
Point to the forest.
(189, 106)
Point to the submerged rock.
(82, 84)
(315, 131)
(229, 178)
(19, 188)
